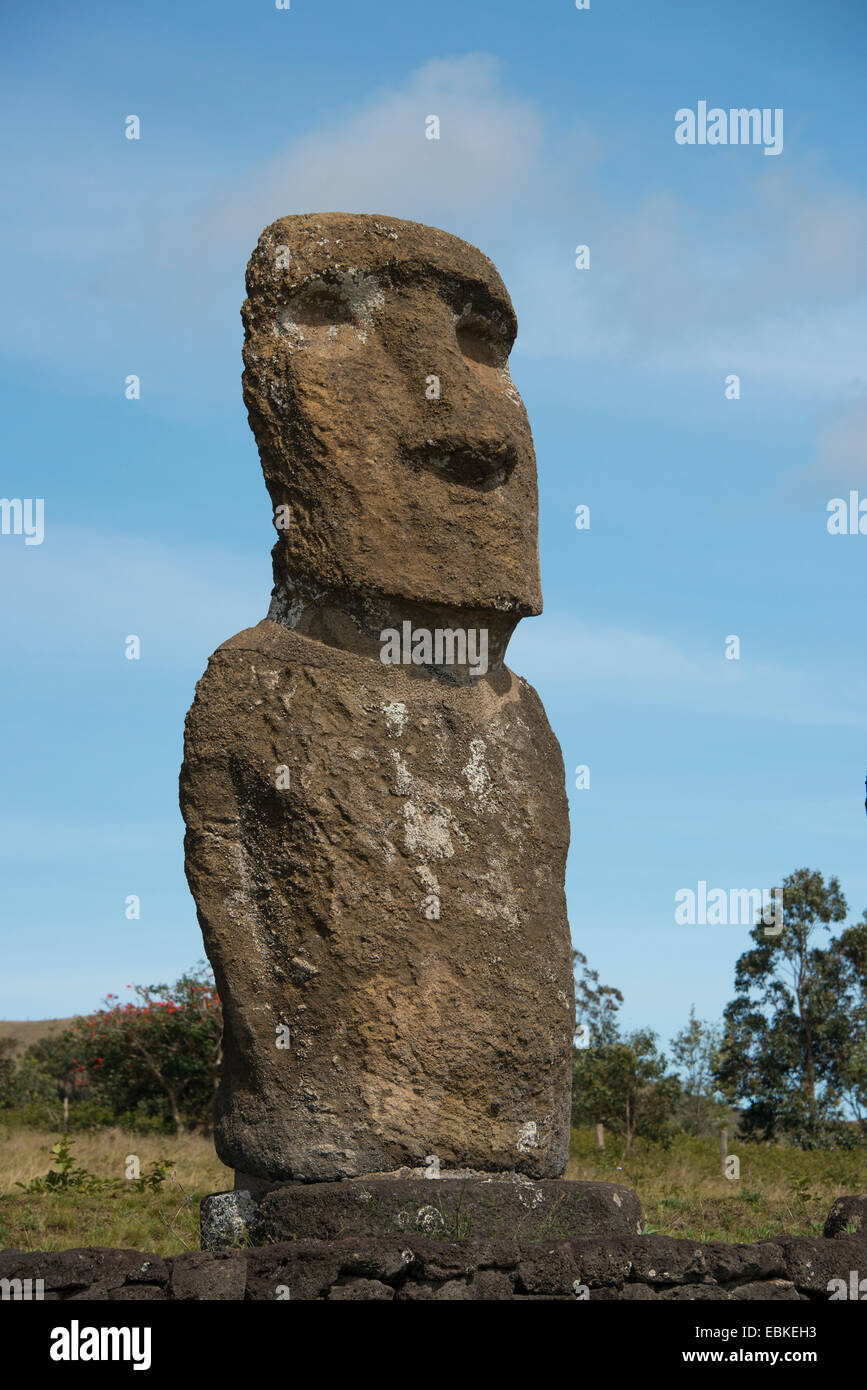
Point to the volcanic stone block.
(208, 1275)
(225, 1219)
(772, 1290)
(413, 1266)
(85, 1274)
(447, 1209)
(729, 1263)
(811, 1263)
(362, 1289)
(848, 1216)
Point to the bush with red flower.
(152, 1060)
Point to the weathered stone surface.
(603, 1260)
(447, 1208)
(302, 1270)
(362, 1289)
(551, 1269)
(453, 1289)
(812, 1262)
(392, 492)
(377, 851)
(729, 1263)
(490, 1285)
(442, 1259)
(692, 1293)
(225, 1219)
(848, 1216)
(416, 1267)
(770, 1289)
(413, 1036)
(138, 1293)
(668, 1260)
(152, 1269)
(89, 1273)
(385, 1262)
(630, 1293)
(208, 1275)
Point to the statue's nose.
(462, 427)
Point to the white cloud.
(842, 451)
(751, 287)
(766, 278)
(81, 593)
(377, 158)
(616, 665)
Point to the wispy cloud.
(841, 456)
(771, 283)
(616, 665)
(81, 593)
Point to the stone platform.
(472, 1207)
(415, 1267)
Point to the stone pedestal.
(449, 1208)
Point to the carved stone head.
(377, 384)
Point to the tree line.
(151, 1063)
(789, 1057)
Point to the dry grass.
(164, 1222)
(683, 1192)
(681, 1189)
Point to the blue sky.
(708, 516)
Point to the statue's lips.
(480, 466)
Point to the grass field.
(683, 1192)
(681, 1189)
(165, 1222)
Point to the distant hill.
(31, 1030)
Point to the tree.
(647, 1092)
(617, 1081)
(54, 1057)
(847, 966)
(7, 1069)
(786, 1027)
(596, 1005)
(158, 1057)
(694, 1050)
(168, 1047)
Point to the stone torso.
(377, 856)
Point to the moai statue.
(375, 804)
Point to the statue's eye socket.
(480, 342)
(318, 306)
